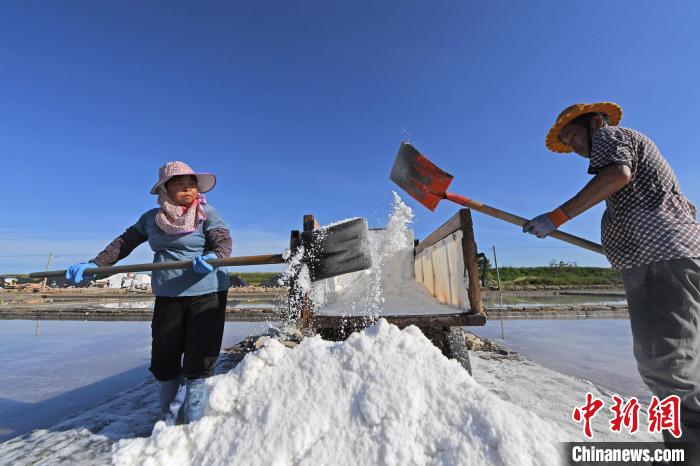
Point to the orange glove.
(544, 224)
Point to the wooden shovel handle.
(520, 221)
(224, 262)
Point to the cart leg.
(456, 347)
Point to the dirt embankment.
(492, 289)
(244, 304)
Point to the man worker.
(649, 233)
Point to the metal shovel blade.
(338, 249)
(419, 177)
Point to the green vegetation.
(556, 276)
(258, 278)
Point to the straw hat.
(205, 181)
(612, 110)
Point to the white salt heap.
(383, 397)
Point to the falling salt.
(389, 286)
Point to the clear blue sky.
(299, 107)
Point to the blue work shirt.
(169, 248)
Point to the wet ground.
(595, 350)
(124, 306)
(540, 299)
(51, 369)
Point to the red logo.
(586, 413)
(661, 415)
(665, 415)
(627, 415)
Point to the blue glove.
(200, 265)
(540, 226)
(75, 272)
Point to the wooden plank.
(461, 319)
(458, 291)
(470, 261)
(438, 235)
(428, 273)
(441, 271)
(307, 308)
(310, 223)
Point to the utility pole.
(48, 264)
(495, 261)
(500, 296)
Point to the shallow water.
(592, 349)
(495, 301)
(147, 302)
(51, 369)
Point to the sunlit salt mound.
(383, 397)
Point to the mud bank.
(559, 312)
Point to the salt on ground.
(122, 280)
(384, 396)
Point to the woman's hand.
(75, 272)
(200, 264)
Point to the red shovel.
(428, 184)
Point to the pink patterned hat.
(205, 181)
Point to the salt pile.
(389, 287)
(127, 280)
(384, 396)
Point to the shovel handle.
(223, 262)
(520, 221)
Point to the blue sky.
(299, 107)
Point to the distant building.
(128, 281)
(9, 282)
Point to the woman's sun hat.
(205, 181)
(553, 143)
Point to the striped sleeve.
(119, 248)
(218, 240)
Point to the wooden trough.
(446, 262)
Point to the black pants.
(192, 326)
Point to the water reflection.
(593, 349)
(497, 300)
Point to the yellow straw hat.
(612, 110)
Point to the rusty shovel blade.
(420, 177)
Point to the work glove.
(200, 265)
(544, 224)
(75, 272)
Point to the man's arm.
(607, 182)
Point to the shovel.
(428, 184)
(339, 249)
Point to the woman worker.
(189, 312)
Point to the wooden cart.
(464, 292)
